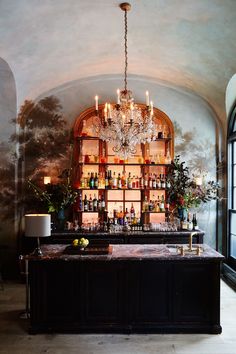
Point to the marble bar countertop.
(130, 252)
(126, 233)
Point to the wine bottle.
(114, 181)
(195, 224)
(96, 181)
(82, 181)
(150, 181)
(90, 203)
(106, 180)
(86, 207)
(95, 203)
(103, 204)
(132, 211)
(154, 182)
(129, 181)
(119, 182)
(163, 182)
(91, 182)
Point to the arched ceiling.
(189, 44)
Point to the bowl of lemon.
(80, 243)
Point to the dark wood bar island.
(133, 289)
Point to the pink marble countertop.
(131, 252)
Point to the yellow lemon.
(75, 242)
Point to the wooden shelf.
(86, 212)
(96, 138)
(155, 212)
(123, 164)
(122, 189)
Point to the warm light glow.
(118, 96)
(47, 180)
(147, 98)
(96, 103)
(151, 105)
(37, 225)
(198, 181)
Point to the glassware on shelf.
(84, 129)
(116, 159)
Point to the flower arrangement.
(55, 196)
(184, 191)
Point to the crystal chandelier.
(125, 124)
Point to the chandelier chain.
(126, 50)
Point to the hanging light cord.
(126, 50)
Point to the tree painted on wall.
(44, 147)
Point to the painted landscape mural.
(41, 144)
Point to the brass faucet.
(190, 247)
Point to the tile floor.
(14, 337)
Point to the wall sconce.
(198, 180)
(37, 225)
(46, 180)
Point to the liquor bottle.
(90, 203)
(86, 207)
(133, 183)
(132, 211)
(163, 182)
(146, 180)
(195, 225)
(82, 180)
(79, 203)
(110, 180)
(183, 223)
(106, 180)
(154, 182)
(121, 216)
(150, 205)
(96, 181)
(137, 182)
(91, 182)
(150, 181)
(88, 180)
(115, 211)
(127, 216)
(103, 204)
(129, 181)
(114, 181)
(119, 182)
(85, 182)
(99, 205)
(159, 182)
(157, 206)
(162, 203)
(95, 203)
(189, 221)
(141, 182)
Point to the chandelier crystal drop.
(125, 124)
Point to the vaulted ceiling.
(187, 44)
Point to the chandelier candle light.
(125, 124)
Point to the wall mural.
(45, 148)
